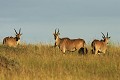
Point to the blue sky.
(75, 18)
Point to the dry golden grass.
(44, 62)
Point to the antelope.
(100, 46)
(66, 44)
(12, 41)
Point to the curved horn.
(15, 31)
(103, 35)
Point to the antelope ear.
(109, 37)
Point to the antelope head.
(56, 37)
(56, 34)
(18, 35)
(105, 38)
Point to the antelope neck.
(16, 38)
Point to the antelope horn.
(15, 31)
(107, 34)
(19, 30)
(103, 35)
(55, 31)
(58, 30)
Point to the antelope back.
(77, 43)
(10, 41)
(72, 44)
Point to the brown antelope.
(12, 41)
(66, 44)
(100, 46)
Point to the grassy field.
(44, 62)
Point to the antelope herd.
(65, 44)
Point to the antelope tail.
(4, 40)
(85, 48)
(93, 44)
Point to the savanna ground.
(44, 62)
